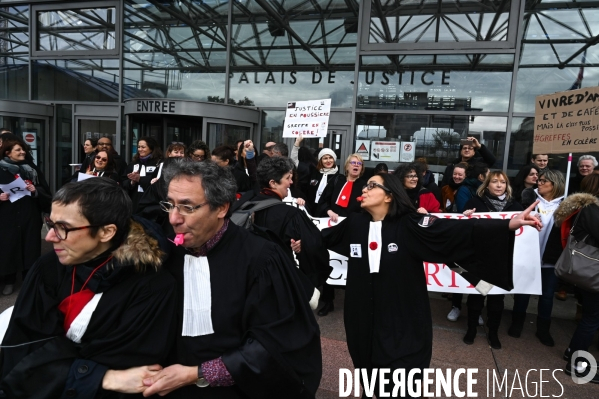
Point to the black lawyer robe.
(132, 325)
(289, 222)
(256, 296)
(387, 314)
(329, 196)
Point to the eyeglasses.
(61, 230)
(183, 209)
(373, 184)
(103, 144)
(540, 182)
(411, 177)
(102, 159)
(356, 163)
(198, 157)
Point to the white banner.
(440, 278)
(308, 118)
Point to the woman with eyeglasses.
(20, 226)
(95, 310)
(387, 314)
(550, 193)
(494, 195)
(103, 166)
(140, 171)
(198, 151)
(422, 198)
(340, 198)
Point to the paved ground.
(518, 356)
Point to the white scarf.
(323, 182)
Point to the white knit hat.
(327, 151)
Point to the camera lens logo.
(586, 360)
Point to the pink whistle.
(359, 199)
(179, 239)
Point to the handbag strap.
(575, 220)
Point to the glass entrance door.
(224, 133)
(33, 131)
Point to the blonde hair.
(496, 173)
(359, 157)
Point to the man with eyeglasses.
(244, 325)
(97, 309)
(105, 144)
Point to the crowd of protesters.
(135, 249)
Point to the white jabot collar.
(374, 255)
(197, 297)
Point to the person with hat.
(326, 169)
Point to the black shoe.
(493, 339)
(515, 329)
(543, 332)
(567, 354)
(568, 371)
(326, 308)
(470, 335)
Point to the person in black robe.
(245, 329)
(288, 223)
(387, 312)
(95, 306)
(339, 199)
(20, 229)
(139, 173)
(471, 154)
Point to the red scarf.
(343, 199)
(72, 305)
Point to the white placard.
(308, 118)
(84, 176)
(363, 149)
(385, 151)
(17, 189)
(407, 151)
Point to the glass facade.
(427, 72)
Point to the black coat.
(331, 192)
(387, 314)
(132, 325)
(134, 189)
(288, 222)
(484, 205)
(20, 228)
(312, 188)
(263, 326)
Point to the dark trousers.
(549, 284)
(476, 303)
(589, 323)
(328, 293)
(456, 300)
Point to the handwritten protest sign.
(440, 278)
(308, 118)
(17, 189)
(567, 121)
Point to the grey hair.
(218, 183)
(273, 169)
(282, 149)
(588, 158)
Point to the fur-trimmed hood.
(572, 204)
(140, 249)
